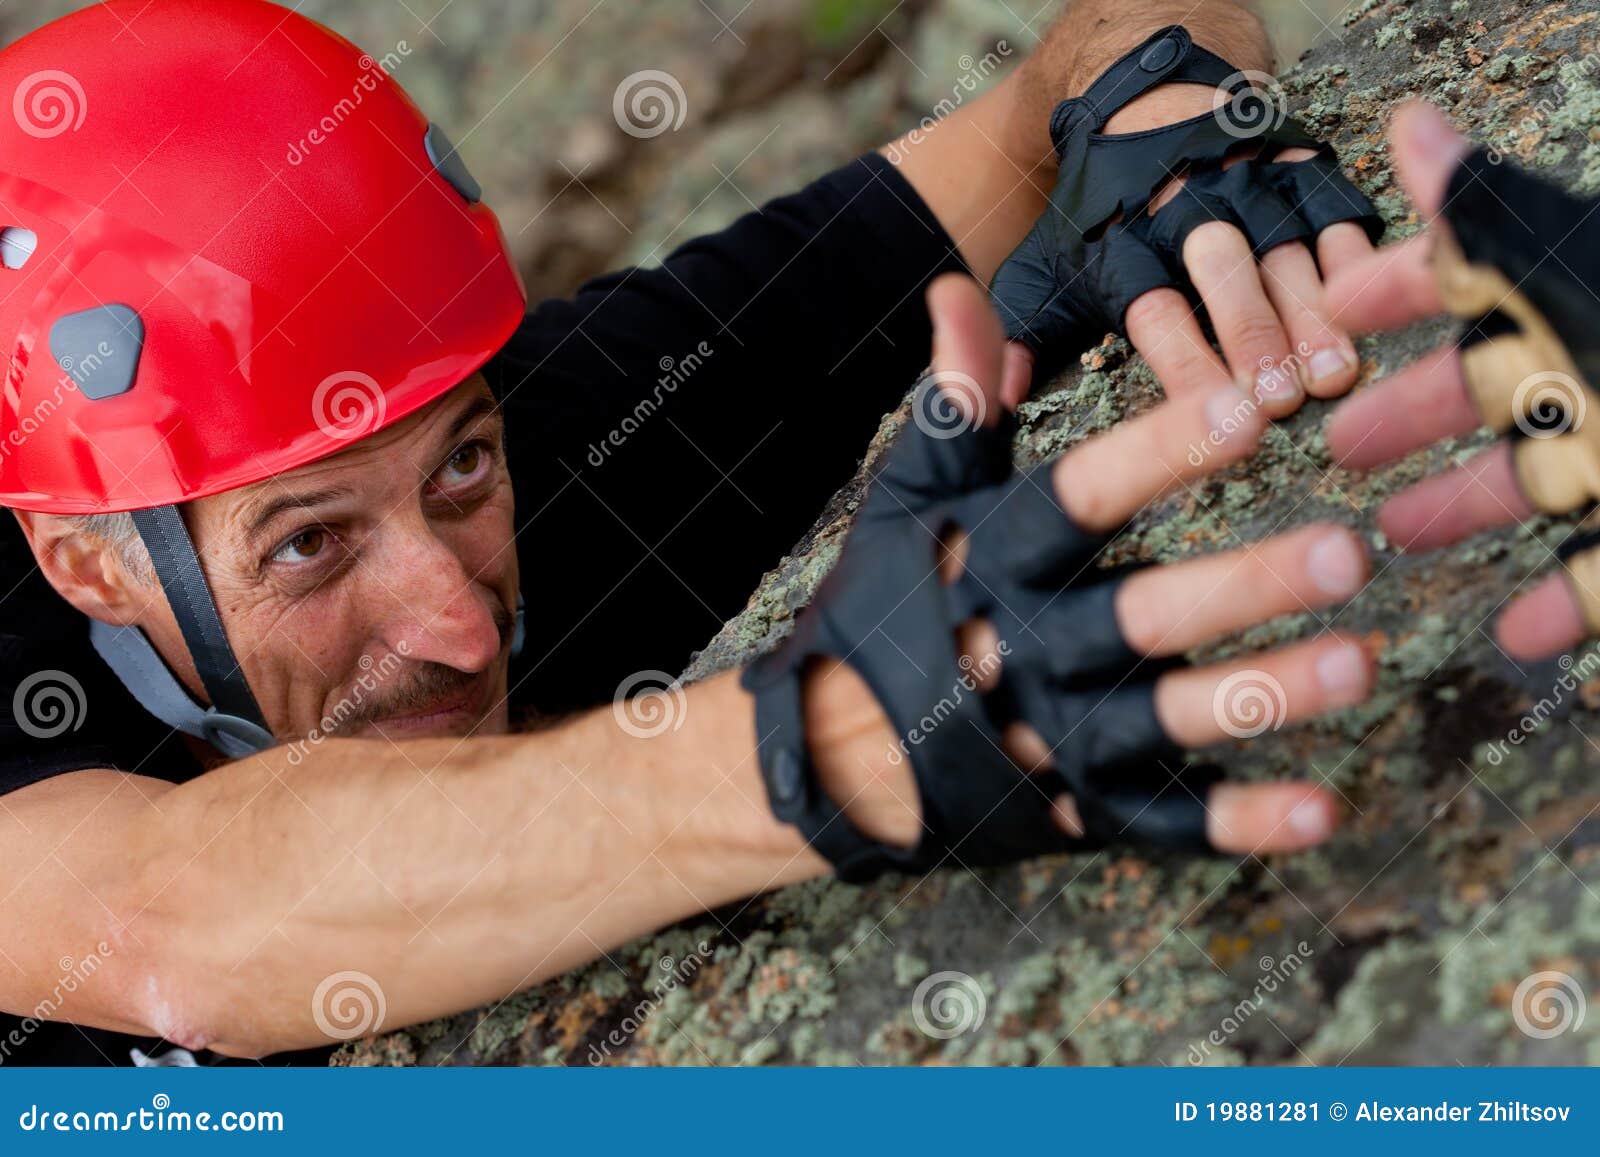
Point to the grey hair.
(118, 532)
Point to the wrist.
(860, 762)
(1161, 106)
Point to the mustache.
(422, 686)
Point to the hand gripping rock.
(1066, 669)
(1097, 248)
(1520, 263)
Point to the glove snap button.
(788, 781)
(1160, 54)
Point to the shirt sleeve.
(674, 430)
(61, 708)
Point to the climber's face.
(373, 592)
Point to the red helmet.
(231, 245)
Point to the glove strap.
(1167, 56)
(794, 790)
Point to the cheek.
(484, 541)
(299, 647)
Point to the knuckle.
(1259, 332)
(1158, 309)
(1214, 250)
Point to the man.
(306, 573)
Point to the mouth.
(455, 714)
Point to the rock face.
(1471, 860)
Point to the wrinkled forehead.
(382, 461)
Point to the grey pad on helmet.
(99, 349)
(450, 165)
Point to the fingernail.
(1343, 672)
(1335, 565)
(1310, 821)
(1228, 412)
(1277, 384)
(1327, 364)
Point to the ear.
(84, 570)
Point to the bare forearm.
(986, 169)
(450, 872)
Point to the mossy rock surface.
(1470, 860)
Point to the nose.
(444, 614)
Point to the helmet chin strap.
(233, 724)
(136, 662)
(178, 567)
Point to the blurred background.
(757, 97)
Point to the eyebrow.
(482, 406)
(269, 509)
(260, 518)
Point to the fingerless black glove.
(1520, 263)
(1066, 669)
(1096, 248)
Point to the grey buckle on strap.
(135, 661)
